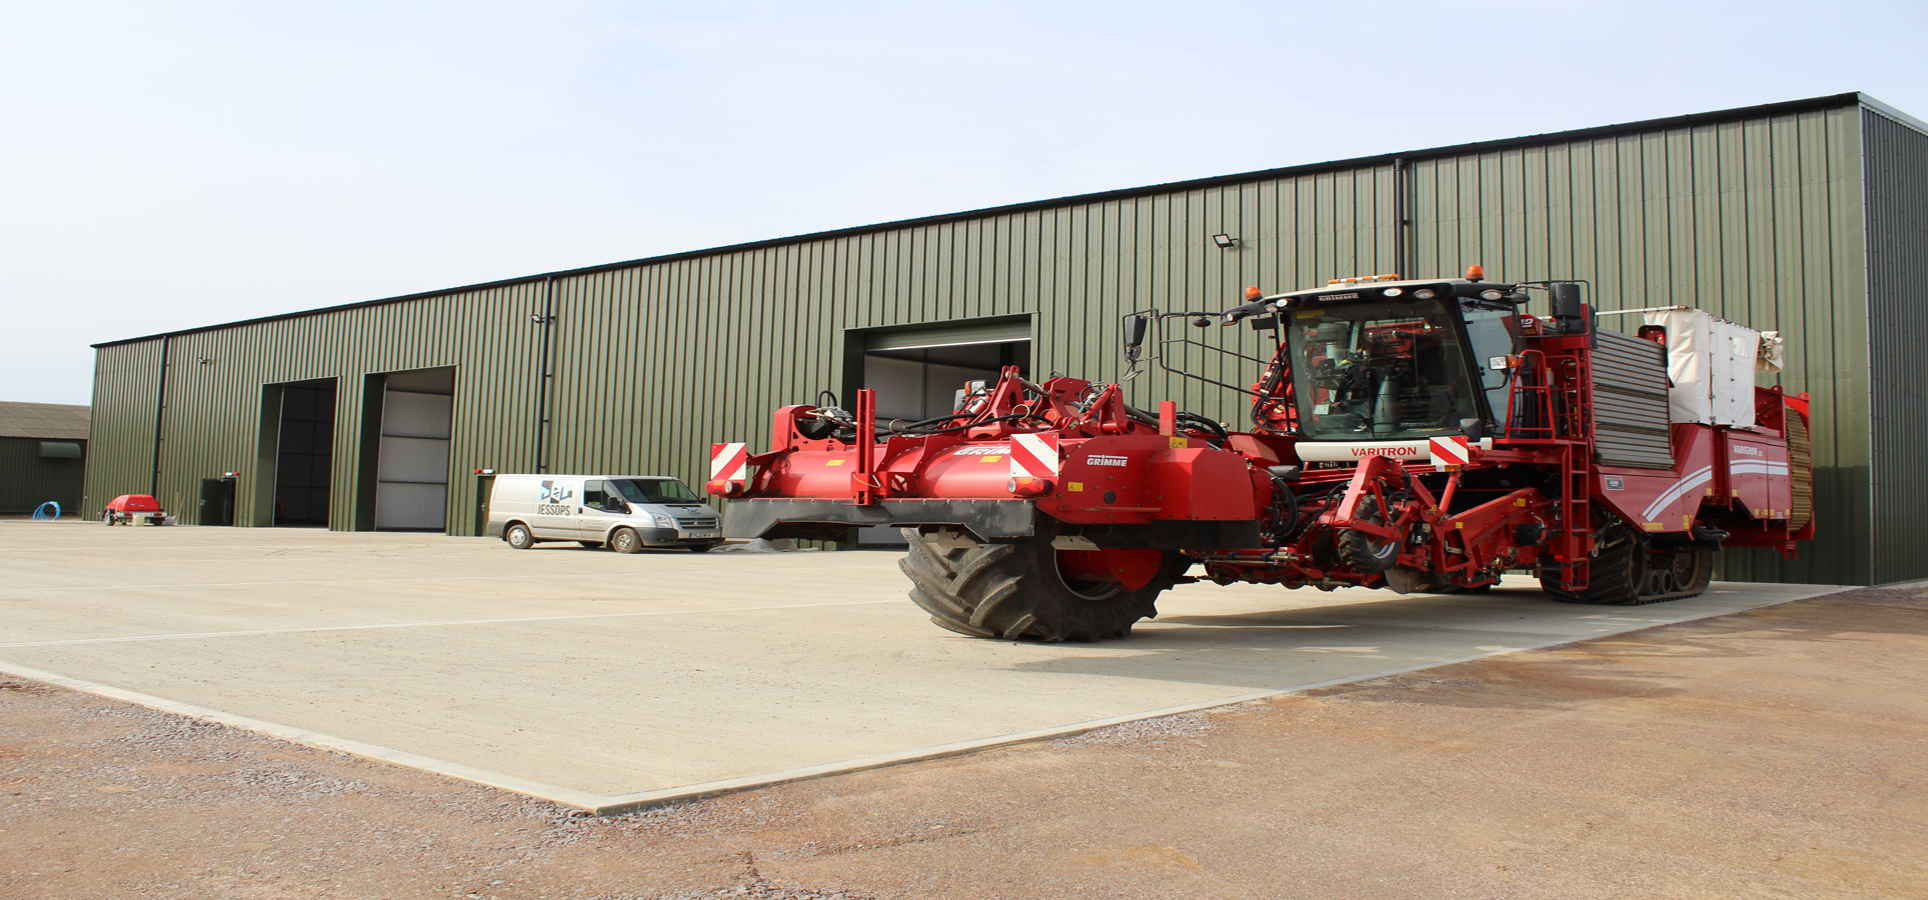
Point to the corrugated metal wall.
(1897, 171)
(120, 425)
(212, 421)
(1756, 219)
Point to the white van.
(624, 512)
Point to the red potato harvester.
(1421, 436)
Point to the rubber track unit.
(1619, 574)
(1014, 591)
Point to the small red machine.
(1416, 435)
(135, 509)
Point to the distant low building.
(43, 449)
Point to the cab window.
(1379, 370)
(596, 495)
(1493, 330)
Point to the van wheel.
(590, 544)
(625, 540)
(519, 536)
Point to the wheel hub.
(1098, 574)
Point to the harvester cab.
(1399, 360)
(1417, 435)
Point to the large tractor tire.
(1627, 573)
(1363, 552)
(1015, 591)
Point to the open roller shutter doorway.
(412, 467)
(304, 459)
(917, 373)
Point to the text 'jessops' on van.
(624, 512)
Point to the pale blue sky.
(171, 164)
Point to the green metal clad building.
(42, 448)
(1808, 217)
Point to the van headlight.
(663, 521)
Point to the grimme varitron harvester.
(1422, 436)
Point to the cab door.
(601, 509)
(555, 515)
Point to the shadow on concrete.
(1284, 648)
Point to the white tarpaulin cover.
(1712, 363)
(1773, 352)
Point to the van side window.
(592, 494)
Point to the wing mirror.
(1135, 328)
(1567, 308)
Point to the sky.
(166, 165)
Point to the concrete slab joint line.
(861, 662)
(601, 805)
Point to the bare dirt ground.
(1776, 753)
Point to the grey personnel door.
(217, 502)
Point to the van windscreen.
(653, 490)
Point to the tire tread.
(1001, 590)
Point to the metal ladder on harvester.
(1551, 406)
(1576, 471)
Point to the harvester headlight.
(1424, 294)
(1490, 295)
(1392, 292)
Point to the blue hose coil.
(41, 515)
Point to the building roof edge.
(1788, 107)
(1868, 100)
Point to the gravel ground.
(1777, 753)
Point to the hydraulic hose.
(40, 514)
(1206, 424)
(913, 428)
(1199, 423)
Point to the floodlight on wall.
(1224, 241)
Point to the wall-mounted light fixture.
(541, 319)
(1224, 241)
(204, 360)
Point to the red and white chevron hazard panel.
(729, 462)
(1034, 455)
(1451, 451)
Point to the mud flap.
(1408, 580)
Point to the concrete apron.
(610, 682)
